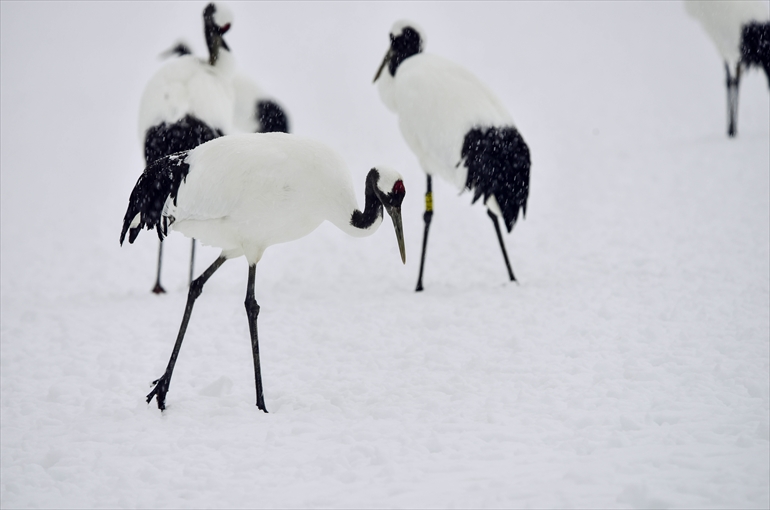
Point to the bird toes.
(159, 392)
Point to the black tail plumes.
(271, 117)
(755, 46)
(498, 164)
(183, 135)
(159, 182)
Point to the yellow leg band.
(429, 201)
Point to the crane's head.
(388, 187)
(217, 20)
(406, 39)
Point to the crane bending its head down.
(243, 193)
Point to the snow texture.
(629, 368)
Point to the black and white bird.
(457, 129)
(245, 192)
(189, 101)
(255, 111)
(740, 31)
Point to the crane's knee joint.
(196, 289)
(252, 308)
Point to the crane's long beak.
(384, 62)
(395, 215)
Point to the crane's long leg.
(196, 287)
(427, 217)
(192, 262)
(252, 312)
(732, 99)
(496, 223)
(158, 289)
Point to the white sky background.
(629, 368)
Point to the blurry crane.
(189, 102)
(255, 111)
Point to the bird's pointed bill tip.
(382, 66)
(395, 215)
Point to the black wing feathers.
(160, 180)
(755, 46)
(183, 135)
(498, 164)
(271, 117)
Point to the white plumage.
(254, 111)
(723, 21)
(456, 127)
(243, 193)
(190, 86)
(246, 192)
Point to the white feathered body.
(246, 192)
(723, 21)
(247, 94)
(190, 86)
(437, 103)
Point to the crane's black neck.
(213, 34)
(403, 46)
(372, 203)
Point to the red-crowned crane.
(457, 129)
(740, 31)
(255, 111)
(189, 101)
(245, 192)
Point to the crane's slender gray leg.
(196, 287)
(427, 217)
(192, 262)
(732, 99)
(158, 289)
(496, 223)
(252, 312)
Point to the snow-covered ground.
(628, 369)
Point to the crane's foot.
(159, 391)
(419, 287)
(158, 289)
